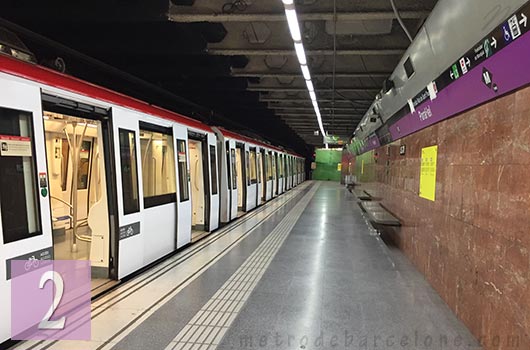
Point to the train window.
(247, 163)
(183, 170)
(129, 172)
(84, 165)
(18, 186)
(253, 165)
(213, 167)
(280, 166)
(158, 165)
(234, 170)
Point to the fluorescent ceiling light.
(299, 47)
(305, 72)
(294, 28)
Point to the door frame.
(63, 105)
(205, 150)
(264, 177)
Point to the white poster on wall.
(15, 146)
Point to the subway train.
(88, 173)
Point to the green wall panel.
(327, 165)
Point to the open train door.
(25, 226)
(214, 182)
(252, 177)
(127, 158)
(269, 179)
(79, 150)
(183, 186)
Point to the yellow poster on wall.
(339, 167)
(429, 157)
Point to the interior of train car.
(78, 188)
(199, 180)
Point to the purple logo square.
(50, 300)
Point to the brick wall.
(473, 242)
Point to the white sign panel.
(15, 146)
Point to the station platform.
(303, 271)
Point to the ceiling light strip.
(294, 28)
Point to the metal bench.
(377, 214)
(362, 195)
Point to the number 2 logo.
(51, 301)
(57, 280)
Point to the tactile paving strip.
(207, 328)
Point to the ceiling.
(234, 60)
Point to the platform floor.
(301, 272)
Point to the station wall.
(327, 165)
(472, 243)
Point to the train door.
(241, 176)
(293, 172)
(213, 171)
(281, 184)
(290, 170)
(274, 164)
(232, 178)
(252, 177)
(264, 175)
(268, 176)
(199, 179)
(184, 205)
(76, 137)
(25, 226)
(260, 184)
(298, 172)
(285, 173)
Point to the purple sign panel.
(372, 143)
(50, 300)
(502, 73)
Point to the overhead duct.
(363, 27)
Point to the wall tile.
(473, 243)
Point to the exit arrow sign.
(524, 20)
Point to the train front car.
(89, 174)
